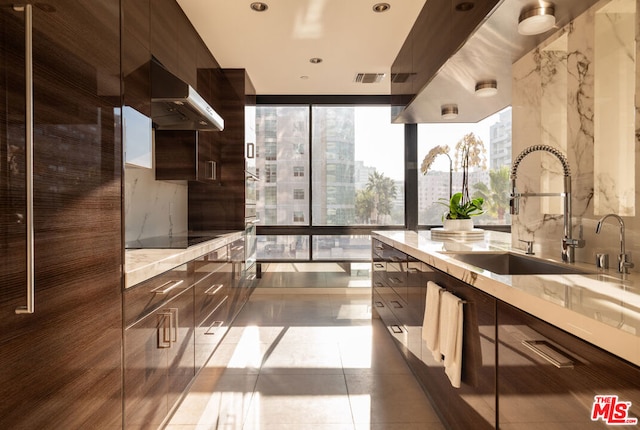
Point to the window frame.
(410, 171)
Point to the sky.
(379, 143)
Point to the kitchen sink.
(506, 263)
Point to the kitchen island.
(537, 348)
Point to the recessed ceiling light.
(486, 88)
(465, 6)
(381, 7)
(449, 111)
(315, 60)
(536, 19)
(259, 6)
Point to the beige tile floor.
(306, 361)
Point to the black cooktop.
(168, 242)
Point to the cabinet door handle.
(168, 336)
(29, 308)
(164, 333)
(396, 328)
(217, 288)
(163, 289)
(378, 284)
(379, 304)
(251, 150)
(395, 280)
(174, 319)
(396, 304)
(550, 353)
(214, 170)
(378, 265)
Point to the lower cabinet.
(173, 323)
(159, 348)
(549, 376)
(473, 405)
(213, 301)
(518, 372)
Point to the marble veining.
(153, 208)
(602, 308)
(561, 97)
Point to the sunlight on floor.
(306, 361)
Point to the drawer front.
(383, 252)
(210, 263)
(213, 304)
(148, 296)
(212, 293)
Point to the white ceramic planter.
(457, 224)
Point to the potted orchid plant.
(469, 152)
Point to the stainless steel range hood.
(175, 105)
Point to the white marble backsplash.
(153, 208)
(561, 98)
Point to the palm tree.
(496, 195)
(364, 206)
(384, 191)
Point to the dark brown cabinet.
(399, 299)
(159, 346)
(518, 371)
(173, 323)
(213, 301)
(232, 92)
(187, 155)
(549, 376)
(61, 364)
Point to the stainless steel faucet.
(568, 242)
(624, 259)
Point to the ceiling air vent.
(369, 78)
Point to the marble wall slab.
(562, 96)
(153, 208)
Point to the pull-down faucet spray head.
(568, 243)
(514, 204)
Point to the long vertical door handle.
(29, 308)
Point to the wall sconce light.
(486, 88)
(537, 19)
(449, 111)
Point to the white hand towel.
(431, 322)
(451, 336)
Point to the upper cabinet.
(453, 46)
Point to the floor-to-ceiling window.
(330, 173)
(330, 167)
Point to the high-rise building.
(282, 161)
(500, 141)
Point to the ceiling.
(275, 46)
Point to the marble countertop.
(602, 308)
(143, 264)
